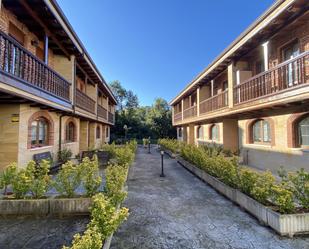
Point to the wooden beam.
(48, 32)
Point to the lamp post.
(162, 168)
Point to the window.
(39, 132)
(261, 132)
(107, 131)
(17, 34)
(214, 132)
(70, 132)
(199, 132)
(98, 132)
(303, 132)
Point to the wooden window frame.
(37, 144)
(98, 132)
(68, 133)
(211, 134)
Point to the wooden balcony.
(111, 117)
(84, 102)
(284, 77)
(190, 112)
(19, 64)
(102, 112)
(177, 117)
(216, 102)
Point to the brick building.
(52, 96)
(254, 97)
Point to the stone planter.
(69, 206)
(283, 224)
(170, 153)
(24, 207)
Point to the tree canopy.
(135, 121)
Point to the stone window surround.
(50, 138)
(70, 120)
(292, 129)
(249, 131)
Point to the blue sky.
(156, 47)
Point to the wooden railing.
(84, 101)
(190, 112)
(111, 118)
(214, 103)
(177, 117)
(15, 60)
(286, 75)
(102, 112)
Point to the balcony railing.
(286, 75)
(177, 117)
(190, 112)
(20, 63)
(216, 102)
(102, 112)
(83, 101)
(111, 117)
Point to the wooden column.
(198, 101)
(46, 49)
(265, 55)
(182, 109)
(231, 83)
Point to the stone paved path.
(180, 211)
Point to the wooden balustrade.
(286, 75)
(102, 112)
(85, 102)
(177, 117)
(190, 112)
(111, 117)
(214, 103)
(16, 61)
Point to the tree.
(119, 92)
(131, 100)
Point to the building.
(254, 97)
(52, 96)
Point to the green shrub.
(262, 187)
(7, 177)
(40, 180)
(91, 239)
(299, 183)
(246, 180)
(283, 199)
(68, 179)
(64, 155)
(90, 175)
(170, 144)
(115, 179)
(105, 216)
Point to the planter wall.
(283, 224)
(43, 207)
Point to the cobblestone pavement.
(26, 233)
(180, 211)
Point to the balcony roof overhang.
(45, 17)
(271, 21)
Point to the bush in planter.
(40, 180)
(64, 155)
(300, 187)
(246, 180)
(7, 177)
(115, 179)
(90, 175)
(91, 239)
(262, 187)
(68, 179)
(282, 198)
(105, 216)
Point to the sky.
(156, 47)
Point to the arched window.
(303, 132)
(261, 132)
(98, 132)
(39, 132)
(214, 132)
(70, 132)
(199, 132)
